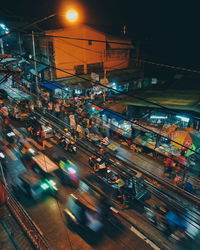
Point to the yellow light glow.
(72, 15)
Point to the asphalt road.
(48, 213)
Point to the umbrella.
(182, 137)
(189, 152)
(195, 136)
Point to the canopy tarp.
(52, 85)
(45, 163)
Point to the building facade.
(76, 52)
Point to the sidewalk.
(142, 160)
(148, 163)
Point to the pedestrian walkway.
(148, 163)
(144, 161)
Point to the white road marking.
(143, 237)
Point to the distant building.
(79, 56)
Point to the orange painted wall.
(71, 52)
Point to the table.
(112, 147)
(93, 137)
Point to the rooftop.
(180, 94)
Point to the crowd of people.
(74, 112)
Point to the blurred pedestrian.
(79, 131)
(43, 139)
(187, 186)
(57, 109)
(169, 165)
(38, 104)
(178, 181)
(72, 121)
(50, 106)
(31, 106)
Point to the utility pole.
(20, 45)
(104, 81)
(35, 63)
(1, 45)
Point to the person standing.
(57, 109)
(169, 164)
(43, 138)
(38, 104)
(79, 131)
(31, 106)
(50, 106)
(72, 122)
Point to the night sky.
(168, 31)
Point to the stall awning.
(52, 85)
(113, 115)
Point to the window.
(95, 68)
(79, 69)
(117, 53)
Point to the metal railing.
(29, 227)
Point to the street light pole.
(35, 62)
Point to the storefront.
(57, 89)
(116, 122)
(76, 86)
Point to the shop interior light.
(158, 117)
(184, 119)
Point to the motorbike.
(99, 166)
(67, 145)
(72, 148)
(92, 161)
(68, 172)
(169, 222)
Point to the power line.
(107, 42)
(98, 83)
(121, 92)
(139, 125)
(85, 39)
(170, 66)
(110, 88)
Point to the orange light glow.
(72, 15)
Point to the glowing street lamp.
(72, 15)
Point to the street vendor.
(169, 165)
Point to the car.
(32, 185)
